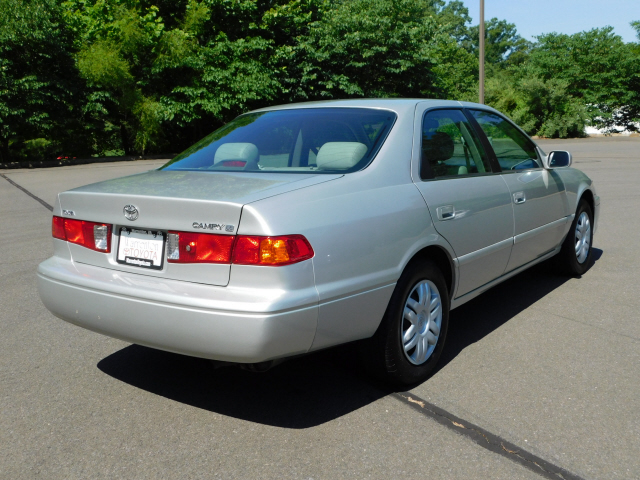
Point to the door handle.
(519, 197)
(446, 212)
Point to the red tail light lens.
(274, 251)
(96, 236)
(57, 228)
(187, 247)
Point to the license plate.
(141, 248)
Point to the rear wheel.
(576, 255)
(407, 345)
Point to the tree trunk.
(124, 138)
(4, 151)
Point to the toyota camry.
(296, 228)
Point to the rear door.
(469, 203)
(538, 196)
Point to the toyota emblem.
(130, 212)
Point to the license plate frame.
(156, 241)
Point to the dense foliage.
(113, 77)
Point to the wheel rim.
(583, 237)
(421, 322)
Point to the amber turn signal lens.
(274, 251)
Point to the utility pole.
(481, 38)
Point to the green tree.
(179, 69)
(541, 107)
(636, 46)
(242, 59)
(598, 68)
(636, 26)
(383, 48)
(253, 54)
(38, 81)
(118, 45)
(503, 45)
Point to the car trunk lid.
(187, 201)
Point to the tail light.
(275, 251)
(190, 247)
(96, 236)
(187, 247)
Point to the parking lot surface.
(541, 368)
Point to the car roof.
(399, 105)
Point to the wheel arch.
(442, 260)
(587, 195)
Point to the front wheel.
(409, 341)
(576, 255)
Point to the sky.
(533, 17)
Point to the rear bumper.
(181, 317)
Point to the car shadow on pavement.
(300, 393)
(313, 389)
(479, 317)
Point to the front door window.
(513, 150)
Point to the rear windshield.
(318, 140)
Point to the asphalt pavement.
(540, 377)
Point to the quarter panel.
(287, 287)
(351, 318)
(362, 236)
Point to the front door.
(469, 203)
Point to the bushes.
(541, 107)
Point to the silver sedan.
(296, 228)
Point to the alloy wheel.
(583, 237)
(421, 322)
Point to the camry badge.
(214, 226)
(130, 212)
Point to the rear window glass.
(318, 140)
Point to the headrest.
(236, 151)
(437, 147)
(340, 155)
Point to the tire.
(386, 355)
(576, 254)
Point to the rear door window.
(450, 147)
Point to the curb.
(81, 161)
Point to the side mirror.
(558, 159)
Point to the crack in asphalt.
(45, 204)
(486, 439)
